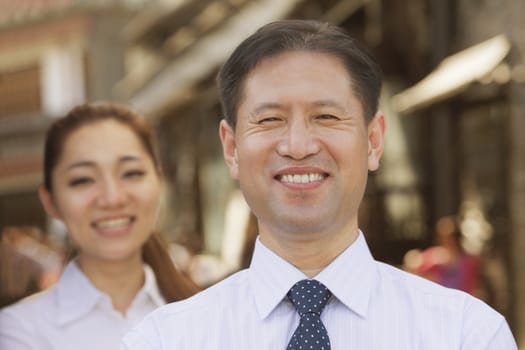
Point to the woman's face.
(106, 190)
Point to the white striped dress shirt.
(374, 306)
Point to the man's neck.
(311, 273)
(310, 256)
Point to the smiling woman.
(102, 178)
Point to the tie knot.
(309, 296)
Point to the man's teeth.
(302, 178)
(114, 223)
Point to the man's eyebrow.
(319, 103)
(328, 103)
(267, 106)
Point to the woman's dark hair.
(299, 35)
(173, 284)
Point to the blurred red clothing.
(459, 272)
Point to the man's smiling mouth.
(301, 178)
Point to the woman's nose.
(112, 194)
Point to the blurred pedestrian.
(102, 178)
(447, 263)
(28, 263)
(20, 275)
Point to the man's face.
(302, 149)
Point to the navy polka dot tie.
(309, 298)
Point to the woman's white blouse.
(73, 315)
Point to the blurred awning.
(176, 80)
(453, 75)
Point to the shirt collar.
(150, 290)
(271, 277)
(77, 296)
(351, 277)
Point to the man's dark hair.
(299, 35)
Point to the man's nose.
(299, 141)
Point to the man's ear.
(376, 140)
(47, 202)
(229, 148)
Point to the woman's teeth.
(113, 223)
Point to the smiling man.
(301, 130)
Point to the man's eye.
(80, 181)
(269, 120)
(327, 117)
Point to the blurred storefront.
(53, 55)
(454, 94)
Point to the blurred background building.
(454, 95)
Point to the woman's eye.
(134, 173)
(80, 181)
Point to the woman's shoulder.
(24, 323)
(35, 306)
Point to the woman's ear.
(47, 202)
(229, 148)
(376, 140)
